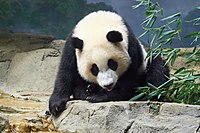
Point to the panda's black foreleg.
(60, 95)
(65, 80)
(157, 72)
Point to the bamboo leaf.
(165, 34)
(192, 34)
(152, 86)
(172, 16)
(179, 70)
(190, 78)
(166, 84)
(138, 5)
(144, 33)
(137, 97)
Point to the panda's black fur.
(69, 82)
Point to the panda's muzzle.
(107, 79)
(108, 86)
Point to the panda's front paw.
(57, 107)
(91, 89)
(96, 98)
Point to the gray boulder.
(129, 117)
(4, 123)
(33, 72)
(28, 64)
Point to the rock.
(58, 44)
(174, 109)
(24, 116)
(4, 123)
(128, 117)
(12, 43)
(28, 64)
(33, 73)
(23, 42)
(4, 66)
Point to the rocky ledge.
(129, 117)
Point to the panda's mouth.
(109, 87)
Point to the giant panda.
(103, 61)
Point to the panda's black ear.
(114, 36)
(77, 43)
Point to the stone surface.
(21, 42)
(4, 123)
(23, 116)
(28, 64)
(129, 117)
(12, 43)
(33, 71)
(4, 67)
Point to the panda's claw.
(91, 99)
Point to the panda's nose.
(108, 86)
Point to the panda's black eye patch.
(94, 69)
(112, 64)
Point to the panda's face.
(106, 78)
(102, 63)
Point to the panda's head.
(101, 52)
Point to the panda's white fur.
(144, 53)
(93, 29)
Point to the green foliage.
(186, 86)
(7, 10)
(184, 82)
